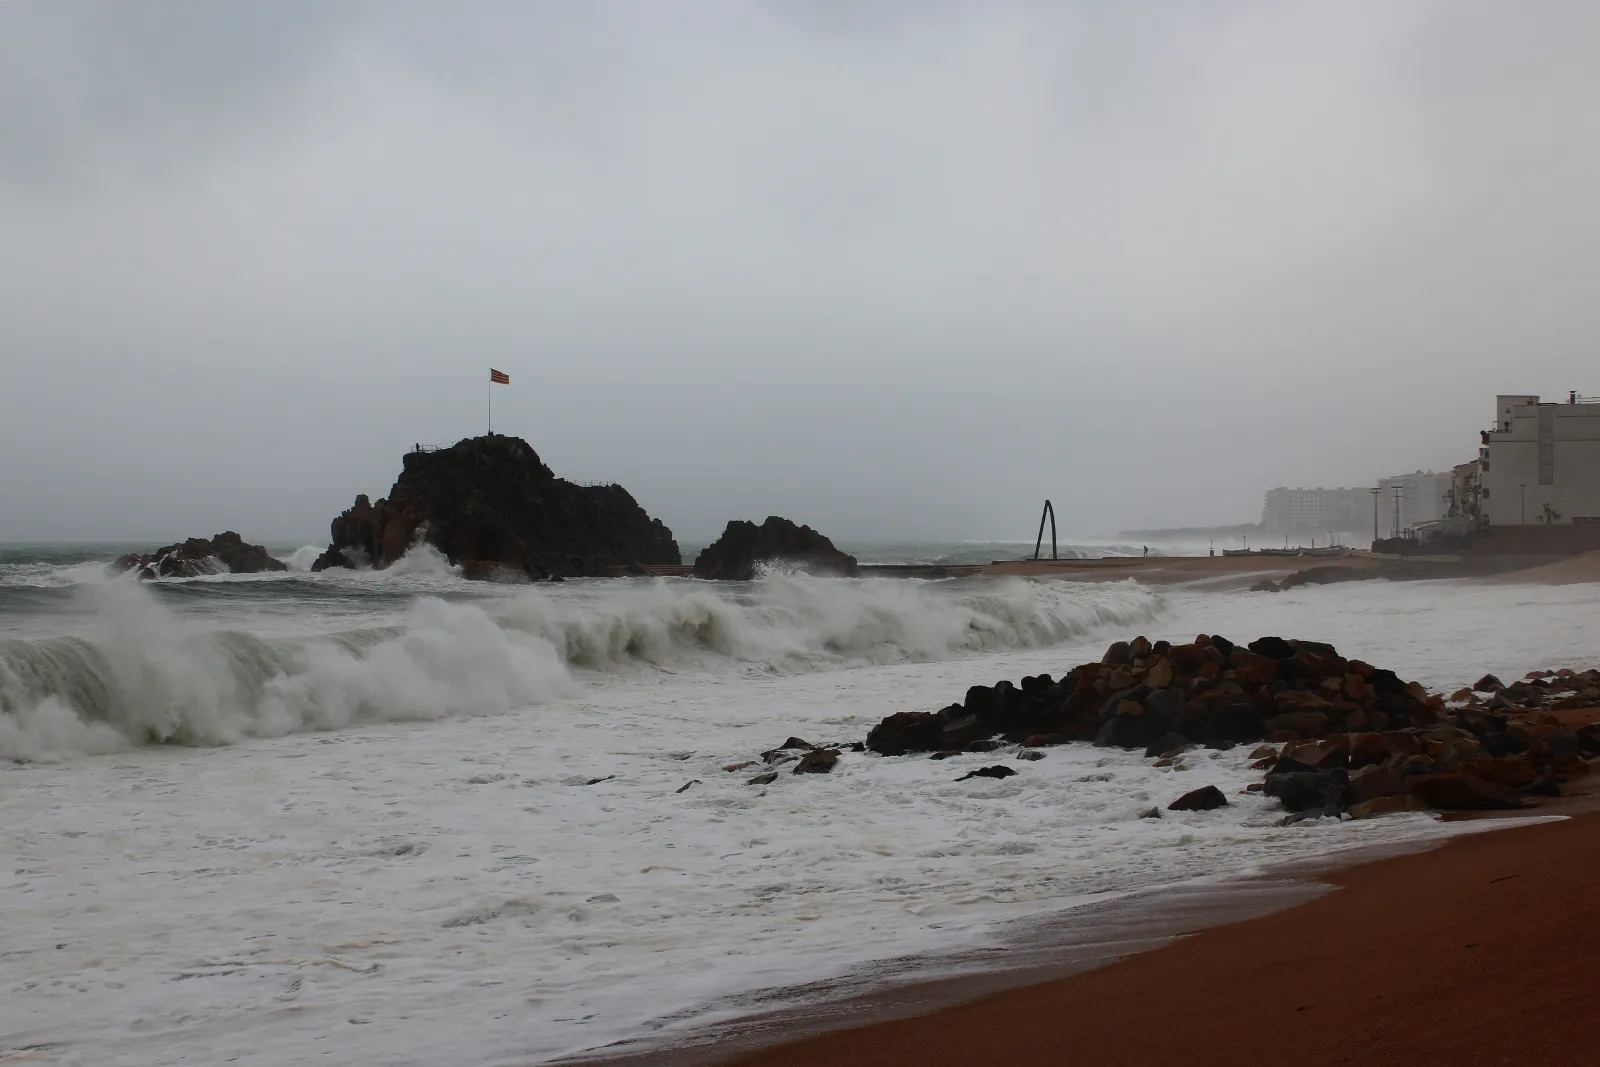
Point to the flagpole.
(491, 405)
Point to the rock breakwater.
(1336, 735)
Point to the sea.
(397, 817)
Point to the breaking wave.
(145, 675)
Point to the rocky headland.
(744, 548)
(490, 505)
(1334, 736)
(226, 553)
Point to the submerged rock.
(817, 761)
(744, 548)
(490, 505)
(988, 772)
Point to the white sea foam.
(456, 891)
(300, 560)
(156, 678)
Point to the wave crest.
(150, 677)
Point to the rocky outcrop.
(226, 553)
(1344, 735)
(490, 505)
(744, 547)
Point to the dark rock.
(988, 772)
(226, 553)
(795, 742)
(1266, 585)
(687, 784)
(1164, 702)
(1119, 654)
(1488, 684)
(1153, 813)
(1168, 742)
(1386, 805)
(906, 731)
(962, 730)
(765, 779)
(1123, 731)
(490, 500)
(946, 754)
(817, 761)
(1030, 755)
(1221, 744)
(1450, 791)
(1370, 783)
(1272, 647)
(744, 547)
(597, 781)
(1203, 799)
(1308, 790)
(1239, 721)
(983, 746)
(1543, 786)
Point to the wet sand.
(1483, 951)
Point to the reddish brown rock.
(1388, 805)
(1513, 772)
(1301, 723)
(1453, 791)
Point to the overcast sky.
(890, 269)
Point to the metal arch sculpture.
(1049, 512)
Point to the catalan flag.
(499, 377)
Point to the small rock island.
(490, 505)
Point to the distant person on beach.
(1147, 550)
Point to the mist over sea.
(242, 811)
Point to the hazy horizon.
(894, 270)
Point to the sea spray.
(154, 678)
(150, 668)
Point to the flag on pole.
(497, 377)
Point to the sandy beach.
(1479, 952)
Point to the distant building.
(1290, 512)
(1422, 497)
(1540, 465)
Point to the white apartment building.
(1541, 463)
(1422, 496)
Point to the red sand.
(1480, 952)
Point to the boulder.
(1309, 790)
(488, 501)
(1369, 783)
(744, 548)
(1453, 791)
(988, 772)
(907, 731)
(962, 730)
(1203, 799)
(817, 761)
(1272, 647)
(226, 553)
(1304, 723)
(1387, 805)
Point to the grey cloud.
(894, 269)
